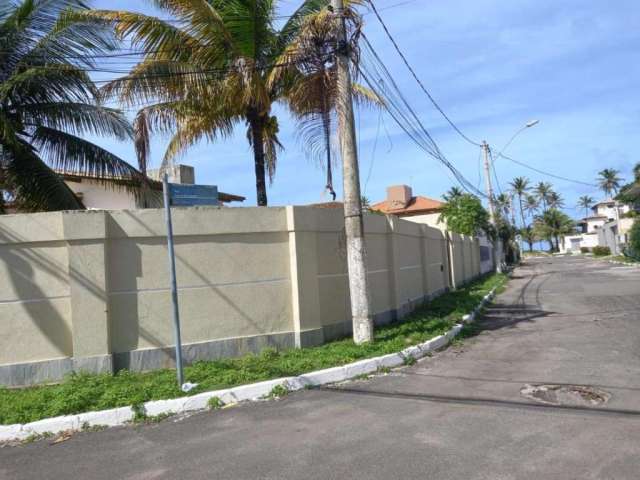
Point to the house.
(113, 194)
(401, 202)
(606, 227)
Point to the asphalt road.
(457, 415)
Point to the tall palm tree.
(585, 202)
(309, 64)
(542, 191)
(218, 65)
(555, 200)
(503, 205)
(48, 101)
(609, 181)
(520, 186)
(531, 205)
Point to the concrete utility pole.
(497, 247)
(353, 223)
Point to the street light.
(530, 124)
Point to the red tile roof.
(416, 205)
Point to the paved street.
(457, 415)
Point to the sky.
(492, 66)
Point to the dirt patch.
(574, 395)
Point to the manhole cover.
(575, 395)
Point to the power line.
(542, 172)
(401, 111)
(415, 76)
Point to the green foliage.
(600, 251)
(278, 391)
(609, 181)
(48, 101)
(465, 214)
(84, 392)
(584, 250)
(553, 224)
(215, 403)
(634, 240)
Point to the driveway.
(457, 415)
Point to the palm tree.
(553, 224)
(609, 181)
(47, 101)
(452, 194)
(218, 65)
(531, 205)
(585, 202)
(503, 205)
(555, 200)
(312, 97)
(520, 186)
(542, 191)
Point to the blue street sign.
(193, 195)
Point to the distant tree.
(634, 240)
(531, 205)
(366, 203)
(553, 224)
(609, 181)
(630, 193)
(542, 191)
(503, 205)
(465, 214)
(555, 200)
(454, 192)
(585, 202)
(519, 187)
(528, 235)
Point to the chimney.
(398, 196)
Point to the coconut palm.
(553, 224)
(452, 194)
(531, 205)
(585, 202)
(216, 66)
(542, 191)
(309, 64)
(555, 200)
(609, 181)
(519, 187)
(503, 205)
(48, 101)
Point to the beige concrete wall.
(90, 290)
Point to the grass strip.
(81, 392)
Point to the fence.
(89, 290)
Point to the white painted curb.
(251, 392)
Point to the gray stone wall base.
(47, 371)
(98, 364)
(154, 358)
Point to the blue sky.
(492, 65)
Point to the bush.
(600, 251)
(584, 250)
(634, 240)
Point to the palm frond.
(71, 154)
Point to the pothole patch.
(572, 395)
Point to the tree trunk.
(257, 137)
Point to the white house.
(606, 215)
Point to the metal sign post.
(182, 196)
(174, 285)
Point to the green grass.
(622, 258)
(83, 392)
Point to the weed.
(384, 370)
(87, 427)
(278, 391)
(139, 412)
(409, 360)
(35, 437)
(215, 403)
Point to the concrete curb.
(252, 392)
(626, 264)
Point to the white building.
(606, 215)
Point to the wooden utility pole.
(353, 223)
(497, 247)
